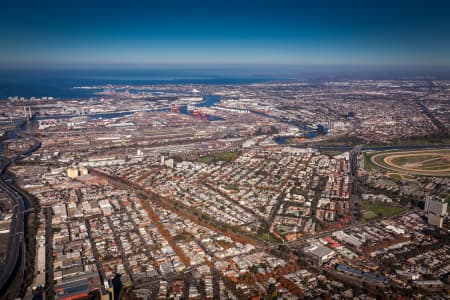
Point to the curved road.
(15, 259)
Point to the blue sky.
(406, 33)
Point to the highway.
(353, 159)
(48, 254)
(15, 260)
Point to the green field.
(369, 215)
(330, 152)
(270, 238)
(368, 165)
(427, 162)
(412, 159)
(395, 176)
(372, 211)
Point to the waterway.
(309, 134)
(209, 101)
(60, 83)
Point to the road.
(353, 160)
(15, 260)
(48, 254)
(15, 242)
(97, 258)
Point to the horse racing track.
(430, 162)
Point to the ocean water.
(60, 83)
